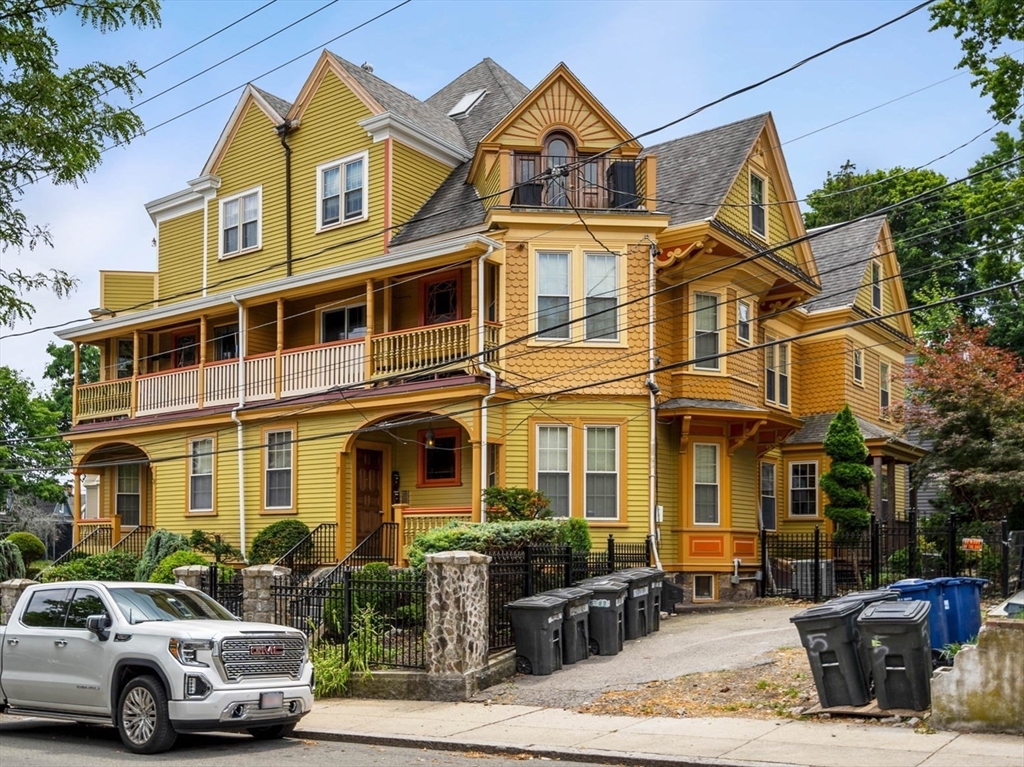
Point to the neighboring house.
(369, 307)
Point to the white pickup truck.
(152, 660)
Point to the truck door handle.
(60, 642)
(12, 642)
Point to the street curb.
(588, 756)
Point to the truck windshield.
(139, 604)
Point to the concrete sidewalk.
(567, 735)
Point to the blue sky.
(648, 62)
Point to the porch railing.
(135, 541)
(433, 349)
(105, 399)
(379, 546)
(603, 183)
(98, 541)
(168, 392)
(320, 368)
(414, 523)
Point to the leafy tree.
(985, 28)
(31, 452)
(967, 398)
(61, 370)
(932, 323)
(54, 124)
(516, 503)
(845, 480)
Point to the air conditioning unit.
(803, 578)
(622, 184)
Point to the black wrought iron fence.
(224, 585)
(135, 541)
(523, 572)
(314, 551)
(817, 566)
(378, 612)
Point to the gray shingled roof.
(816, 426)
(279, 104)
(695, 172)
(842, 258)
(707, 404)
(504, 92)
(460, 203)
(398, 102)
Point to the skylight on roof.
(466, 103)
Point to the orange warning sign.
(972, 544)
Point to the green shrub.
(468, 536)
(202, 541)
(110, 566)
(30, 546)
(516, 503)
(161, 544)
(164, 572)
(12, 565)
(32, 571)
(276, 540)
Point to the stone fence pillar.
(9, 593)
(257, 596)
(191, 575)
(457, 617)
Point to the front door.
(369, 491)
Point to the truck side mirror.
(99, 625)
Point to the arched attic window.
(559, 149)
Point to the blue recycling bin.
(962, 597)
(932, 593)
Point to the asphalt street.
(690, 643)
(45, 743)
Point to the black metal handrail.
(135, 541)
(379, 546)
(98, 541)
(316, 550)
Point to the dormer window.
(758, 223)
(467, 102)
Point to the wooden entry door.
(369, 491)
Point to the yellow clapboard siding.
(414, 177)
(743, 502)
(736, 212)
(127, 291)
(180, 257)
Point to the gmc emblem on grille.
(266, 649)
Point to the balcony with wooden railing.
(601, 183)
(288, 373)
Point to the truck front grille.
(262, 655)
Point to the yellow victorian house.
(368, 307)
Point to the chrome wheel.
(138, 713)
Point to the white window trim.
(341, 162)
(718, 484)
(858, 353)
(569, 462)
(764, 205)
(213, 474)
(789, 491)
(586, 471)
(267, 469)
(740, 339)
(884, 387)
(258, 190)
(875, 264)
(775, 348)
(717, 362)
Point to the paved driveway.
(689, 643)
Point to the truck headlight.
(186, 651)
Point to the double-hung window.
(743, 322)
(553, 467)
(776, 372)
(705, 484)
(803, 489)
(553, 295)
(128, 503)
(601, 275)
(769, 511)
(225, 342)
(758, 223)
(240, 223)
(706, 331)
(876, 286)
(200, 474)
(858, 366)
(341, 191)
(883, 387)
(602, 473)
(279, 469)
(342, 324)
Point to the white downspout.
(651, 386)
(481, 336)
(238, 424)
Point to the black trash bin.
(863, 599)
(901, 653)
(654, 597)
(537, 631)
(575, 623)
(607, 614)
(638, 604)
(829, 634)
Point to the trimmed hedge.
(111, 566)
(276, 540)
(30, 546)
(164, 572)
(468, 536)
